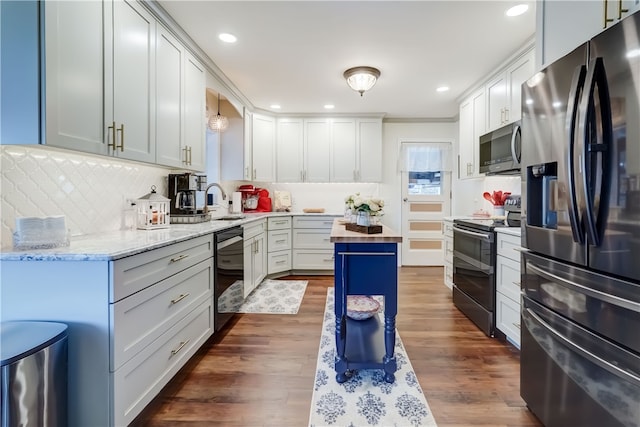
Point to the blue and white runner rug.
(269, 297)
(365, 399)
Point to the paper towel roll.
(236, 202)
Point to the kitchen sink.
(228, 218)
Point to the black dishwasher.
(229, 274)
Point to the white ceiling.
(293, 53)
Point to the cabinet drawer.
(139, 380)
(134, 273)
(254, 228)
(508, 277)
(279, 261)
(312, 239)
(448, 249)
(313, 221)
(448, 229)
(313, 260)
(508, 317)
(279, 240)
(448, 274)
(141, 318)
(279, 223)
(508, 246)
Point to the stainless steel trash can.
(33, 374)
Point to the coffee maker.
(182, 192)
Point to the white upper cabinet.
(567, 24)
(369, 135)
(263, 153)
(473, 119)
(194, 147)
(289, 151)
(503, 92)
(169, 98)
(248, 145)
(74, 76)
(130, 82)
(343, 150)
(317, 154)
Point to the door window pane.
(425, 183)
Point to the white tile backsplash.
(88, 190)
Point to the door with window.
(426, 196)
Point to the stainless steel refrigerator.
(580, 355)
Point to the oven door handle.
(229, 242)
(594, 293)
(472, 233)
(615, 370)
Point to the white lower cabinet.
(255, 255)
(312, 247)
(278, 244)
(132, 322)
(508, 286)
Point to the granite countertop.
(340, 235)
(514, 231)
(123, 243)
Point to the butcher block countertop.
(340, 235)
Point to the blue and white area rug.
(270, 297)
(365, 399)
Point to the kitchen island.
(365, 264)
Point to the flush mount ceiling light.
(218, 123)
(361, 79)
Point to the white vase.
(498, 211)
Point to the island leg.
(341, 361)
(389, 360)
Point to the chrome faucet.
(206, 193)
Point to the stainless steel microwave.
(500, 150)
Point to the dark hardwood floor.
(260, 370)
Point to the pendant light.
(218, 123)
(361, 79)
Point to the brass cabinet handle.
(186, 155)
(177, 350)
(178, 299)
(621, 10)
(517, 325)
(178, 258)
(112, 144)
(255, 173)
(190, 155)
(281, 241)
(606, 18)
(281, 262)
(121, 130)
(246, 173)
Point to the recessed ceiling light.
(556, 104)
(442, 89)
(529, 101)
(275, 106)
(517, 10)
(227, 38)
(329, 106)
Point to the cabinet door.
(74, 75)
(263, 148)
(517, 74)
(194, 113)
(369, 150)
(317, 151)
(479, 129)
(465, 163)
(343, 150)
(496, 90)
(169, 104)
(260, 260)
(289, 145)
(248, 145)
(133, 94)
(248, 266)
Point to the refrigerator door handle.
(595, 222)
(577, 85)
(602, 363)
(594, 293)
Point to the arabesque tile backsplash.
(88, 190)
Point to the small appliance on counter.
(255, 199)
(183, 188)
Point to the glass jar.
(363, 219)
